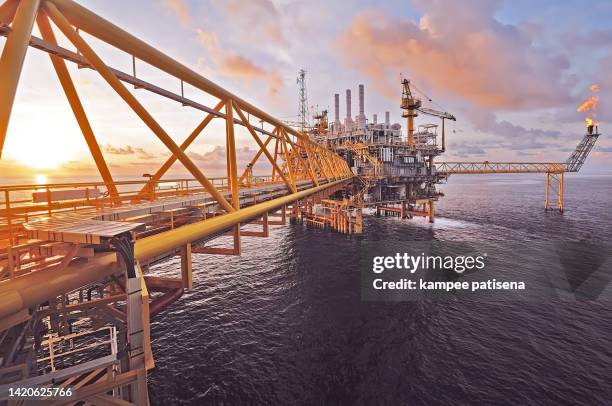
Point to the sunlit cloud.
(231, 64)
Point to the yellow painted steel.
(7, 11)
(263, 148)
(172, 159)
(12, 59)
(256, 158)
(285, 152)
(158, 244)
(39, 286)
(311, 166)
(113, 35)
(77, 107)
(125, 94)
(232, 167)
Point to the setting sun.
(39, 145)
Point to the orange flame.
(589, 106)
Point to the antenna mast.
(303, 107)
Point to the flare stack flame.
(589, 106)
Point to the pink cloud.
(215, 161)
(234, 65)
(180, 10)
(262, 18)
(460, 49)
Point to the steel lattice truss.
(295, 156)
(573, 163)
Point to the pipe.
(387, 119)
(172, 290)
(375, 119)
(160, 303)
(40, 286)
(161, 243)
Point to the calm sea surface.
(285, 324)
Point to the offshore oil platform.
(77, 293)
(396, 174)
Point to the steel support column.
(231, 153)
(12, 58)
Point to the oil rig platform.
(76, 293)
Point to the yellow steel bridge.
(81, 251)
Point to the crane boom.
(436, 113)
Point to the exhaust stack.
(361, 118)
(348, 121)
(387, 119)
(337, 123)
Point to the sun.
(41, 179)
(42, 158)
(40, 155)
(42, 148)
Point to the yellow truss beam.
(12, 58)
(77, 107)
(256, 158)
(188, 141)
(64, 25)
(232, 167)
(273, 161)
(7, 11)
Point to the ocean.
(285, 322)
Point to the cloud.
(261, 17)
(464, 150)
(180, 10)
(216, 160)
(128, 150)
(234, 65)
(485, 121)
(459, 48)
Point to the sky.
(512, 73)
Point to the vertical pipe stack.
(348, 121)
(375, 119)
(387, 119)
(337, 113)
(361, 118)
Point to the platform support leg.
(186, 268)
(551, 180)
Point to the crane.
(411, 105)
